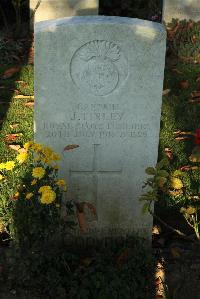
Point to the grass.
(16, 117)
(177, 114)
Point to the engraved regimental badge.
(98, 67)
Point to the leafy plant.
(172, 184)
(156, 182)
(31, 212)
(185, 40)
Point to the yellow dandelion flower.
(34, 182)
(28, 144)
(44, 188)
(2, 166)
(16, 196)
(22, 157)
(45, 160)
(62, 183)
(29, 195)
(176, 183)
(55, 157)
(9, 165)
(38, 172)
(2, 226)
(37, 147)
(49, 155)
(48, 197)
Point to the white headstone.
(98, 84)
(53, 9)
(181, 9)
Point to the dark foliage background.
(132, 8)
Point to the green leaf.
(178, 173)
(150, 196)
(145, 208)
(163, 173)
(162, 163)
(150, 171)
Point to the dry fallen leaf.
(198, 78)
(184, 84)
(29, 104)
(179, 132)
(175, 193)
(10, 72)
(166, 91)
(185, 168)
(194, 197)
(182, 138)
(15, 147)
(20, 96)
(195, 94)
(22, 150)
(14, 126)
(195, 157)
(194, 100)
(70, 147)
(175, 70)
(19, 81)
(12, 137)
(31, 56)
(158, 281)
(91, 207)
(16, 91)
(82, 221)
(169, 153)
(171, 32)
(15, 196)
(156, 230)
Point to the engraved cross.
(94, 172)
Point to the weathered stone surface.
(54, 9)
(98, 84)
(181, 9)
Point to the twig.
(35, 9)
(189, 223)
(184, 236)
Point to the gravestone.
(98, 84)
(53, 9)
(181, 9)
